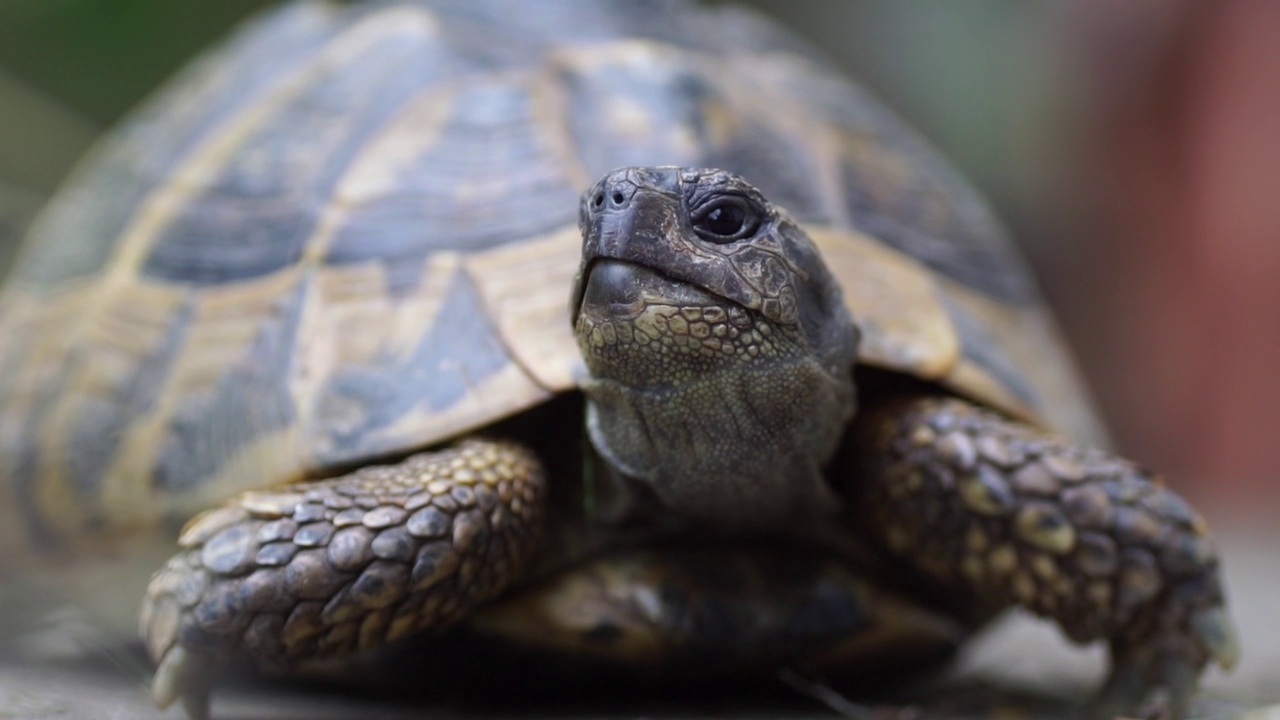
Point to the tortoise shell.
(350, 232)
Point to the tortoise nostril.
(614, 193)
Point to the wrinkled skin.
(750, 515)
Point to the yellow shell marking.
(893, 299)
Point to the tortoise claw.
(1132, 681)
(1124, 689)
(1214, 629)
(184, 676)
(1180, 677)
(1163, 663)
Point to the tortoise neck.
(739, 447)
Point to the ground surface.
(1019, 669)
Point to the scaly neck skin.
(737, 449)
(737, 438)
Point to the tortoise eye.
(725, 220)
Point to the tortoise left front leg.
(289, 577)
(1019, 516)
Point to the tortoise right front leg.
(1013, 515)
(314, 571)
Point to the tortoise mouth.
(645, 330)
(621, 290)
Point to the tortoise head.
(718, 344)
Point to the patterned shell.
(351, 232)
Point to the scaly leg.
(1022, 517)
(314, 571)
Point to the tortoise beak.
(620, 289)
(623, 220)
(614, 287)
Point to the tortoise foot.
(317, 571)
(1164, 654)
(1076, 535)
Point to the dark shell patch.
(257, 215)
(251, 400)
(459, 351)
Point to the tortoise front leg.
(318, 570)
(1077, 535)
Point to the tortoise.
(313, 294)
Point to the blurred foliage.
(98, 57)
(17, 208)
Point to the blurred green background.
(1130, 146)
